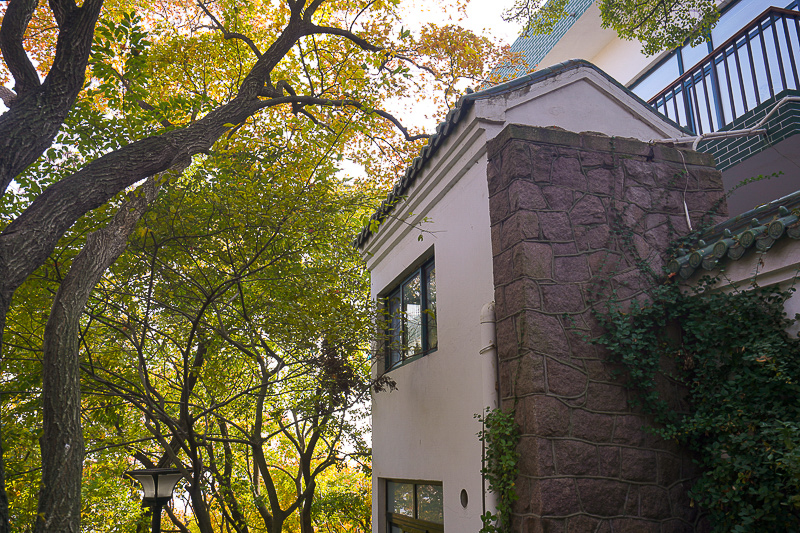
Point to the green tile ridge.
(755, 230)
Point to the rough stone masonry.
(573, 217)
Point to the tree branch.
(12, 32)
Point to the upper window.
(414, 507)
(411, 320)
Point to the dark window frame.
(397, 351)
(407, 523)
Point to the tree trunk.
(59, 508)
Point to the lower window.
(414, 507)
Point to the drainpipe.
(489, 387)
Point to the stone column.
(573, 216)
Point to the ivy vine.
(500, 436)
(721, 376)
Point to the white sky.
(482, 16)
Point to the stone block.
(559, 497)
(564, 249)
(632, 501)
(521, 294)
(669, 469)
(565, 380)
(676, 526)
(609, 461)
(571, 268)
(507, 340)
(640, 172)
(594, 427)
(542, 333)
(582, 524)
(516, 163)
(567, 172)
(633, 525)
(593, 158)
(681, 504)
(520, 226)
(530, 457)
(494, 177)
(497, 242)
(525, 195)
(533, 260)
(629, 430)
(600, 181)
(530, 375)
(653, 502)
(558, 198)
(602, 497)
(605, 397)
(544, 416)
(575, 458)
(562, 297)
(499, 207)
(639, 196)
(593, 238)
(639, 465)
(556, 226)
(600, 371)
(503, 263)
(588, 210)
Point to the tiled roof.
(460, 111)
(754, 231)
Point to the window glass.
(411, 317)
(735, 18)
(657, 80)
(400, 498)
(395, 334)
(693, 54)
(412, 301)
(429, 503)
(430, 308)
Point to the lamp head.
(157, 483)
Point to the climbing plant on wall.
(720, 375)
(500, 436)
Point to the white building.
(444, 233)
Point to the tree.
(657, 24)
(233, 326)
(309, 57)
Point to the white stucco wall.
(779, 266)
(586, 39)
(426, 430)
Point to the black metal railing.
(751, 67)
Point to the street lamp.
(157, 484)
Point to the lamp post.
(157, 484)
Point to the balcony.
(749, 69)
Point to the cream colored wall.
(586, 39)
(426, 429)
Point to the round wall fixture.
(464, 498)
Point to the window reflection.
(411, 321)
(429, 503)
(401, 498)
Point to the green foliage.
(500, 435)
(657, 24)
(721, 376)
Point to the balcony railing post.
(738, 46)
